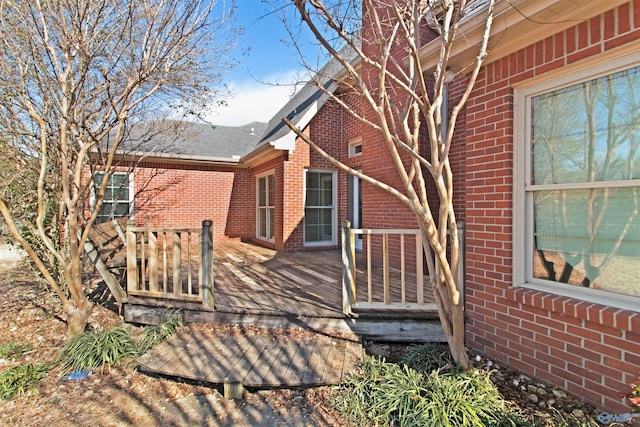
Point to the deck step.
(256, 358)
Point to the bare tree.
(401, 98)
(75, 77)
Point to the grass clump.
(382, 393)
(426, 358)
(17, 380)
(154, 335)
(12, 350)
(98, 348)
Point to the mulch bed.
(124, 396)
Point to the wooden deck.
(255, 280)
(256, 358)
(257, 285)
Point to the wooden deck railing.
(402, 288)
(171, 263)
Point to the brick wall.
(591, 350)
(326, 130)
(184, 195)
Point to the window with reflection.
(319, 213)
(582, 190)
(118, 196)
(266, 207)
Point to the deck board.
(254, 360)
(255, 280)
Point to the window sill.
(319, 244)
(578, 294)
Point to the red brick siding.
(184, 195)
(326, 130)
(589, 349)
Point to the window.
(355, 147)
(578, 186)
(320, 212)
(266, 207)
(118, 196)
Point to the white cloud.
(252, 101)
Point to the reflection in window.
(585, 191)
(265, 207)
(319, 213)
(118, 196)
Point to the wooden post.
(177, 263)
(153, 260)
(132, 258)
(233, 390)
(403, 284)
(369, 275)
(385, 268)
(348, 280)
(460, 273)
(419, 268)
(206, 264)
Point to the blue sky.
(266, 59)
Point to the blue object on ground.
(77, 375)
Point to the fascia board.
(512, 28)
(176, 158)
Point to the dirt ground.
(122, 396)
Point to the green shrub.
(385, 394)
(12, 350)
(19, 379)
(429, 357)
(154, 335)
(97, 349)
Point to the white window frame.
(355, 147)
(269, 227)
(523, 224)
(334, 209)
(131, 191)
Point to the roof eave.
(287, 142)
(178, 158)
(512, 28)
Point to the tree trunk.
(77, 318)
(452, 320)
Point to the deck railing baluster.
(153, 262)
(165, 278)
(132, 261)
(369, 281)
(143, 263)
(419, 269)
(403, 293)
(189, 280)
(177, 263)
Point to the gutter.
(535, 20)
(233, 161)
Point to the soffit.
(516, 24)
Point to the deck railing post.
(177, 263)
(132, 258)
(348, 279)
(461, 244)
(206, 264)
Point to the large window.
(266, 207)
(118, 196)
(579, 184)
(319, 212)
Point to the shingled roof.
(229, 144)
